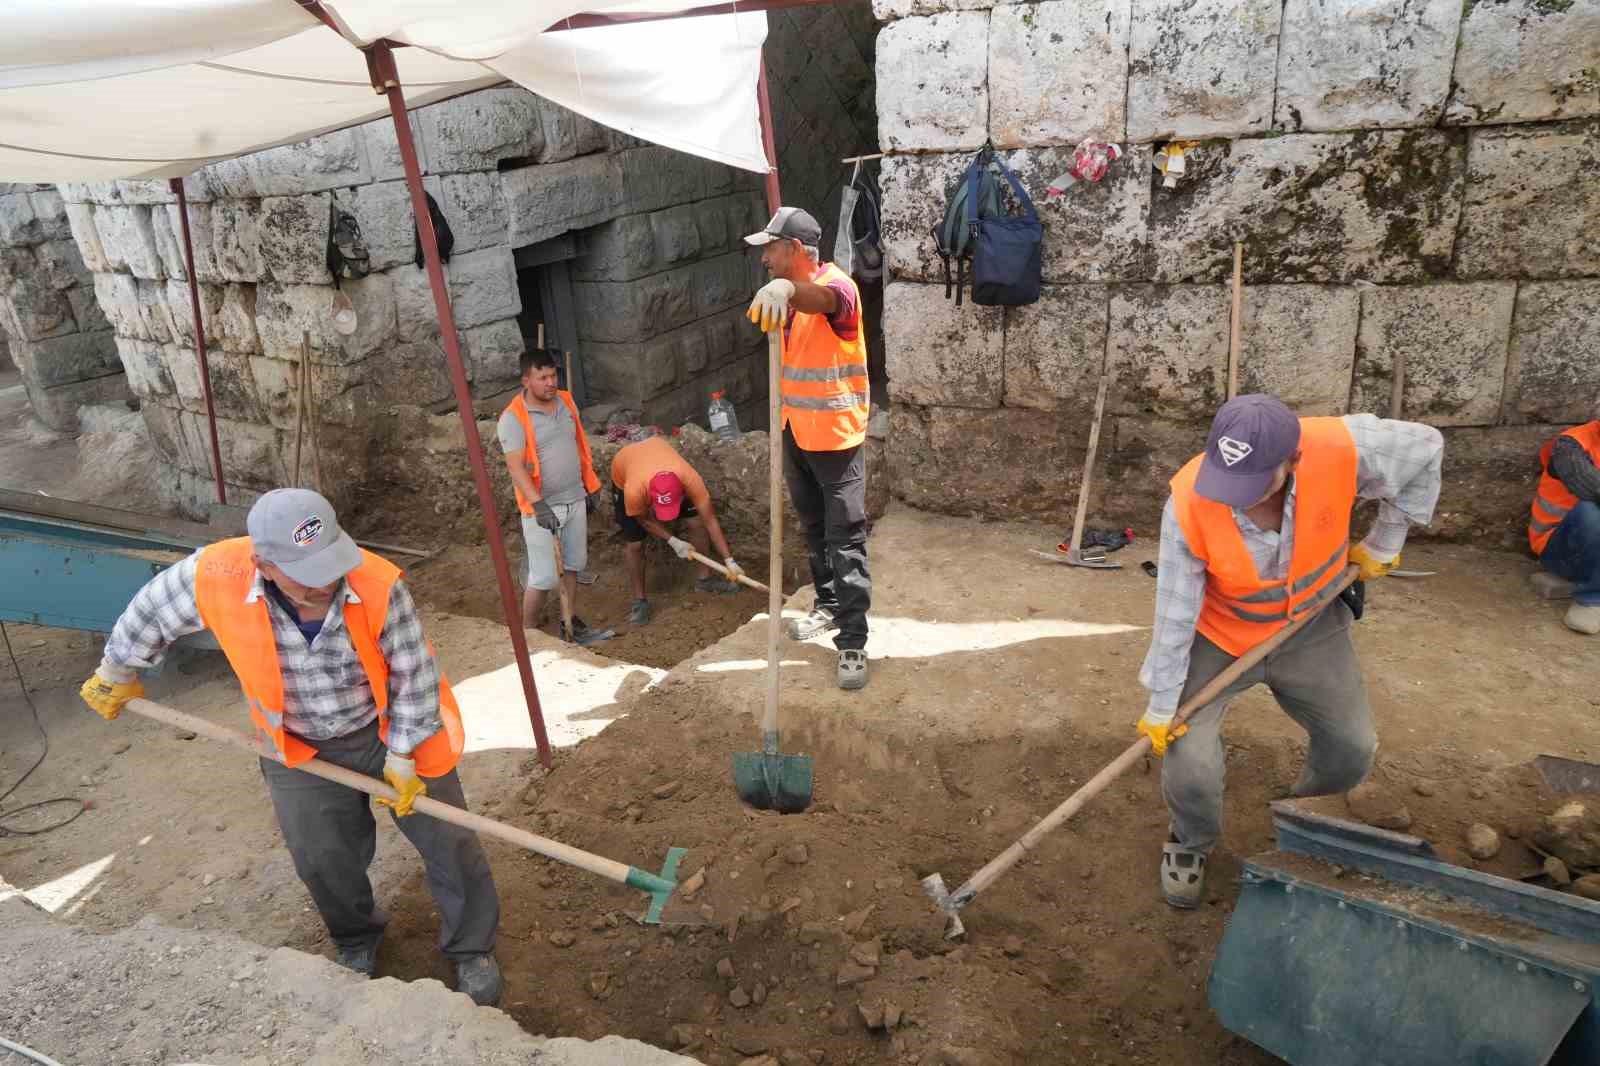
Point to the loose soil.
(999, 684)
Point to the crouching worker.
(654, 487)
(330, 653)
(1255, 535)
(1564, 528)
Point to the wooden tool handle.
(1097, 784)
(561, 584)
(1094, 447)
(723, 570)
(1234, 319)
(598, 865)
(769, 717)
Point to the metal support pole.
(176, 185)
(774, 196)
(386, 80)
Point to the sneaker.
(719, 585)
(583, 634)
(587, 577)
(852, 668)
(1584, 618)
(360, 958)
(639, 614)
(479, 978)
(819, 621)
(1183, 875)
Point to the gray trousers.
(1316, 679)
(332, 837)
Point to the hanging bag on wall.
(441, 232)
(858, 242)
(954, 236)
(348, 258)
(1007, 253)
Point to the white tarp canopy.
(92, 90)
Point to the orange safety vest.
(519, 407)
(825, 390)
(1553, 499)
(1240, 609)
(222, 581)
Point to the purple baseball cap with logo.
(1250, 438)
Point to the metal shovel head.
(1568, 775)
(772, 782)
(1091, 562)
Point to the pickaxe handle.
(723, 570)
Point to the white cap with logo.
(297, 531)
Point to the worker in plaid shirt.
(329, 650)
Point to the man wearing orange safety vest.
(1256, 533)
(825, 408)
(1564, 527)
(329, 650)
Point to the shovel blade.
(772, 782)
(1568, 775)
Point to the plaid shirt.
(325, 688)
(1397, 463)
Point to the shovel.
(1095, 558)
(723, 570)
(658, 887)
(765, 779)
(593, 636)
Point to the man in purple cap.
(1255, 535)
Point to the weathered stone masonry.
(1404, 176)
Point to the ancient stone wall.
(50, 325)
(1405, 176)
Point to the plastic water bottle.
(724, 422)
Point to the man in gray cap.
(825, 408)
(1256, 534)
(331, 656)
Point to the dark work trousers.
(1573, 552)
(333, 836)
(829, 492)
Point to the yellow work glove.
(770, 308)
(401, 773)
(106, 698)
(1371, 567)
(1160, 733)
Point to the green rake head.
(659, 887)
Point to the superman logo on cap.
(1233, 451)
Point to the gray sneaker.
(852, 669)
(639, 614)
(360, 958)
(719, 585)
(819, 621)
(479, 978)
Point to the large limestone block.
(86, 309)
(933, 82)
(1454, 337)
(1058, 72)
(18, 224)
(1533, 202)
(236, 239)
(478, 130)
(491, 352)
(169, 244)
(999, 461)
(237, 319)
(1375, 205)
(58, 406)
(1298, 342)
(676, 235)
(80, 217)
(1169, 350)
(1555, 352)
(885, 10)
(567, 134)
(129, 241)
(201, 240)
(38, 309)
(154, 312)
(1201, 68)
(1141, 455)
(619, 250)
(50, 211)
(1053, 349)
(413, 298)
(277, 389)
(149, 378)
(544, 201)
(69, 359)
(483, 287)
(621, 312)
(285, 312)
(722, 283)
(329, 161)
(233, 389)
(1526, 61)
(475, 208)
(294, 238)
(387, 223)
(60, 265)
(653, 178)
(1353, 64)
(940, 354)
(118, 297)
(181, 312)
(383, 150)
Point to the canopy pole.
(768, 142)
(176, 184)
(386, 80)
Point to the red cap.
(666, 495)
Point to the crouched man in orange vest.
(1564, 524)
(329, 650)
(1255, 535)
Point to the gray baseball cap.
(789, 223)
(297, 531)
(1250, 438)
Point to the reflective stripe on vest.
(1240, 609)
(223, 578)
(530, 450)
(1553, 501)
(826, 397)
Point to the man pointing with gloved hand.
(330, 652)
(1256, 535)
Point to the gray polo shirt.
(560, 468)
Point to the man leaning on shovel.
(329, 650)
(1255, 534)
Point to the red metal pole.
(199, 336)
(774, 197)
(386, 79)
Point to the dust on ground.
(1000, 683)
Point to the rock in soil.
(1376, 806)
(1557, 871)
(561, 938)
(868, 953)
(1572, 834)
(796, 855)
(891, 1016)
(1588, 886)
(852, 974)
(725, 969)
(748, 1044)
(1013, 947)
(871, 1014)
(853, 921)
(1482, 841)
(739, 997)
(667, 791)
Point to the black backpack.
(348, 258)
(441, 232)
(1006, 251)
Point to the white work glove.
(680, 547)
(735, 571)
(770, 308)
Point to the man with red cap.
(1255, 535)
(653, 487)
